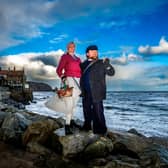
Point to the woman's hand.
(63, 78)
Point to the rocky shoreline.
(33, 141)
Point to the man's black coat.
(97, 78)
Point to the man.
(69, 70)
(93, 87)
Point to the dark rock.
(55, 161)
(128, 141)
(134, 131)
(73, 144)
(120, 148)
(99, 148)
(155, 156)
(121, 164)
(2, 117)
(37, 135)
(12, 128)
(14, 157)
(98, 162)
(39, 131)
(22, 96)
(160, 140)
(36, 86)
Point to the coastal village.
(31, 140)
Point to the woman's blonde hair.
(70, 43)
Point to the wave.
(144, 111)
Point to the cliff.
(38, 86)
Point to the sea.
(147, 112)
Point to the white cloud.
(132, 77)
(39, 71)
(23, 20)
(133, 57)
(137, 75)
(77, 41)
(112, 24)
(115, 24)
(119, 60)
(38, 66)
(7, 41)
(126, 59)
(128, 72)
(126, 49)
(162, 48)
(59, 38)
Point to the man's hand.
(106, 60)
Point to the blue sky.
(132, 33)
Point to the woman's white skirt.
(65, 104)
(57, 104)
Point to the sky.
(133, 34)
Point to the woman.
(69, 70)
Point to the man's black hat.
(91, 47)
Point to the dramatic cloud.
(162, 48)
(24, 20)
(128, 77)
(133, 77)
(38, 66)
(157, 78)
(130, 73)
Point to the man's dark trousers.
(94, 111)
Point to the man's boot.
(86, 127)
(68, 130)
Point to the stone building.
(15, 81)
(12, 78)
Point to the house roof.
(11, 73)
(15, 73)
(3, 72)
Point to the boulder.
(12, 127)
(154, 156)
(72, 145)
(163, 141)
(99, 148)
(35, 147)
(120, 164)
(2, 117)
(123, 161)
(39, 131)
(128, 142)
(37, 134)
(22, 96)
